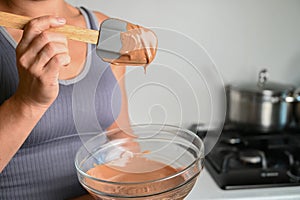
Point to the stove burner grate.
(243, 160)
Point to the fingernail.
(61, 20)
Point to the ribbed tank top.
(43, 168)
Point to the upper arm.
(100, 16)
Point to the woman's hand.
(40, 54)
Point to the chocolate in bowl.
(168, 170)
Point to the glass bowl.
(169, 161)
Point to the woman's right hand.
(40, 54)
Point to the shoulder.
(100, 16)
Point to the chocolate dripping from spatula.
(139, 47)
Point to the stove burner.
(253, 157)
(262, 159)
(294, 172)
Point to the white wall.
(240, 36)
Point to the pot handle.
(297, 95)
(289, 99)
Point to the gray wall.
(236, 37)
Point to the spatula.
(118, 42)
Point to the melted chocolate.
(135, 169)
(139, 47)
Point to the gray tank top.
(44, 167)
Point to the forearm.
(17, 119)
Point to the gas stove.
(249, 159)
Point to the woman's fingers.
(50, 72)
(45, 38)
(36, 26)
(41, 50)
(38, 43)
(49, 51)
(46, 54)
(40, 54)
(35, 37)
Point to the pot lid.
(265, 87)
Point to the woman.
(38, 70)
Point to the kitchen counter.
(206, 188)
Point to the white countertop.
(206, 188)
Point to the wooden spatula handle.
(71, 32)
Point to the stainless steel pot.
(297, 106)
(264, 106)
